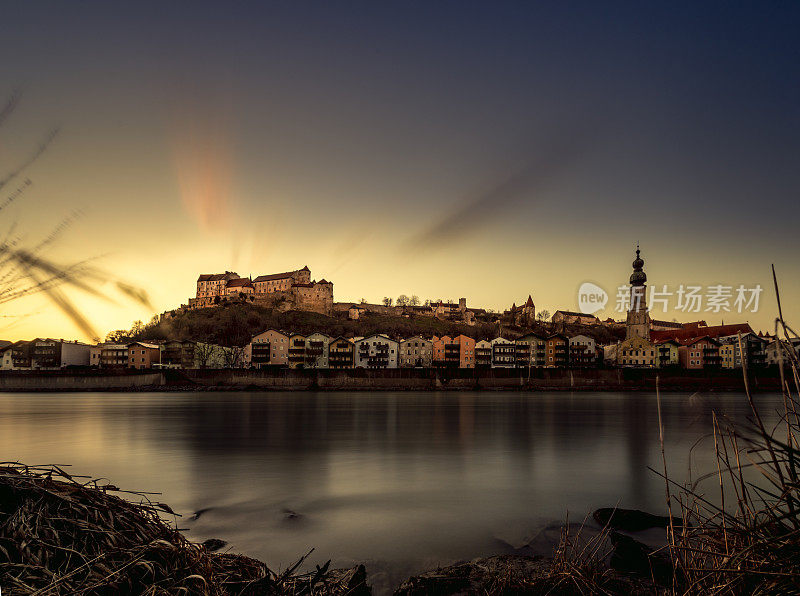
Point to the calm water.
(403, 481)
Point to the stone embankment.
(547, 379)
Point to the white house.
(376, 351)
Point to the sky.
(449, 149)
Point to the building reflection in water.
(404, 480)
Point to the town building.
(777, 351)
(297, 351)
(341, 353)
(752, 353)
(582, 351)
(557, 346)
(574, 318)
(537, 349)
(483, 354)
(457, 352)
(16, 356)
(114, 355)
(143, 355)
(504, 353)
(376, 351)
(415, 352)
(636, 351)
(667, 353)
(317, 345)
(268, 348)
(699, 353)
(53, 354)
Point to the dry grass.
(748, 540)
(61, 534)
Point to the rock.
(290, 515)
(631, 556)
(514, 574)
(632, 520)
(213, 544)
(200, 512)
(471, 578)
(352, 582)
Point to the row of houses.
(53, 354)
(711, 349)
(275, 348)
(294, 350)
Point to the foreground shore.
(541, 379)
(65, 535)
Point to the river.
(400, 481)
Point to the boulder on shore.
(517, 574)
(632, 520)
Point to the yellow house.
(667, 353)
(636, 351)
(727, 355)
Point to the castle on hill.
(292, 290)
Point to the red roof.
(242, 282)
(695, 330)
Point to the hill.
(235, 324)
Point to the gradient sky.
(485, 150)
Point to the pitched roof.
(574, 314)
(530, 301)
(275, 276)
(673, 324)
(216, 276)
(240, 282)
(695, 330)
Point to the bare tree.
(402, 300)
(387, 301)
(543, 315)
(414, 301)
(234, 357)
(204, 353)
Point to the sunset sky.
(486, 150)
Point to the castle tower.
(638, 321)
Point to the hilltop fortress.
(292, 290)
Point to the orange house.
(143, 355)
(700, 352)
(454, 351)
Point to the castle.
(292, 290)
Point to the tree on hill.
(387, 301)
(402, 300)
(414, 300)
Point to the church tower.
(638, 322)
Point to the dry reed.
(62, 534)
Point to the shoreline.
(362, 380)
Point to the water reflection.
(402, 480)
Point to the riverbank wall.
(541, 379)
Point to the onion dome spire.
(638, 277)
